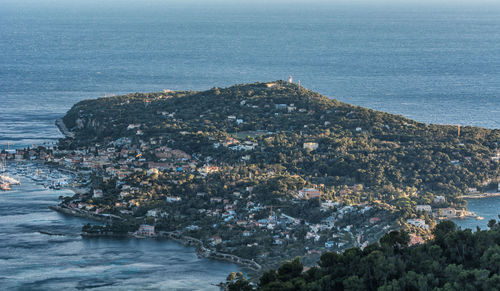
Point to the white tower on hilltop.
(290, 79)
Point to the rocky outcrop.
(63, 129)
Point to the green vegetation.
(397, 161)
(454, 260)
(270, 171)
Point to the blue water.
(488, 208)
(30, 260)
(436, 64)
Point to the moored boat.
(5, 187)
(9, 180)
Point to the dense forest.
(455, 259)
(395, 160)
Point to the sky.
(239, 2)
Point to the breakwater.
(82, 213)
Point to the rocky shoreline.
(201, 250)
(205, 252)
(80, 213)
(63, 129)
(480, 195)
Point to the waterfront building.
(447, 212)
(146, 230)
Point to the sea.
(41, 249)
(435, 63)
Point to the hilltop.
(354, 144)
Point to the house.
(215, 200)
(415, 240)
(374, 220)
(133, 126)
(230, 141)
(215, 240)
(329, 244)
(278, 241)
(97, 193)
(447, 212)
(247, 233)
(426, 208)
(205, 170)
(152, 213)
(310, 146)
(309, 193)
(418, 223)
(281, 106)
(171, 199)
(146, 230)
(439, 199)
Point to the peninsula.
(266, 172)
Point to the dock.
(480, 195)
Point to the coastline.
(201, 250)
(480, 195)
(83, 214)
(205, 252)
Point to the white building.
(418, 223)
(310, 146)
(97, 193)
(171, 199)
(146, 230)
(426, 208)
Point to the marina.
(11, 173)
(42, 249)
(6, 181)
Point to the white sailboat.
(6, 181)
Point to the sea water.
(435, 64)
(41, 249)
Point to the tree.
(290, 270)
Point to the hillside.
(398, 158)
(455, 260)
(268, 171)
